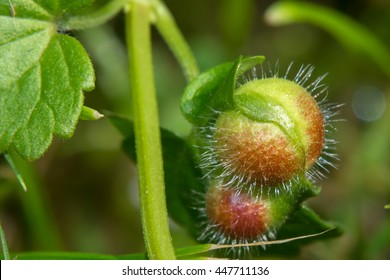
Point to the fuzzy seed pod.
(260, 143)
(236, 215)
(233, 217)
(285, 140)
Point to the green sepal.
(224, 97)
(182, 178)
(89, 114)
(213, 90)
(197, 97)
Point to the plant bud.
(243, 216)
(276, 132)
(236, 214)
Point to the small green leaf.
(42, 77)
(223, 98)
(193, 250)
(387, 206)
(213, 90)
(182, 178)
(197, 96)
(89, 114)
(302, 222)
(305, 221)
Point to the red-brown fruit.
(281, 136)
(237, 216)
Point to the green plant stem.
(154, 214)
(170, 32)
(93, 19)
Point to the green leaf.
(213, 90)
(223, 98)
(302, 222)
(195, 101)
(182, 178)
(75, 5)
(42, 77)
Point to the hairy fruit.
(276, 132)
(260, 143)
(236, 214)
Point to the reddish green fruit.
(281, 138)
(236, 215)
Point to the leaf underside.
(42, 76)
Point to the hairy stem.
(154, 214)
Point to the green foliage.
(350, 33)
(41, 93)
(44, 71)
(302, 222)
(74, 6)
(214, 89)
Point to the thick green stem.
(147, 132)
(168, 29)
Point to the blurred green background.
(82, 194)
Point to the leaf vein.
(16, 39)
